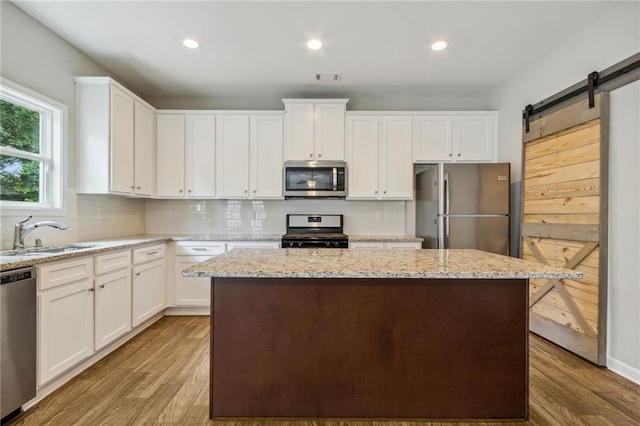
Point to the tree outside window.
(31, 136)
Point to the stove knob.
(328, 244)
(291, 243)
(336, 244)
(300, 244)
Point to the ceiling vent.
(328, 76)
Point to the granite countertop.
(385, 238)
(122, 243)
(371, 263)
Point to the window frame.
(53, 143)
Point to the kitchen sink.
(43, 251)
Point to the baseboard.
(48, 388)
(187, 311)
(624, 370)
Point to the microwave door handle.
(335, 178)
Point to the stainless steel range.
(315, 231)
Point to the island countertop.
(372, 263)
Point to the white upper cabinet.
(396, 165)
(115, 139)
(379, 157)
(474, 137)
(186, 155)
(266, 146)
(363, 156)
(200, 151)
(249, 156)
(144, 177)
(444, 137)
(170, 158)
(433, 138)
(314, 129)
(232, 156)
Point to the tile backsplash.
(268, 217)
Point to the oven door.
(314, 244)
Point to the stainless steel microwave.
(312, 179)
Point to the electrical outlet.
(167, 214)
(379, 215)
(100, 213)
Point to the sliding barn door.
(565, 169)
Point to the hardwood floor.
(161, 378)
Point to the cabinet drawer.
(58, 274)
(253, 244)
(366, 244)
(197, 248)
(113, 261)
(146, 254)
(404, 245)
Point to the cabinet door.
(144, 150)
(403, 245)
(299, 131)
(170, 163)
(112, 307)
(432, 138)
(363, 157)
(473, 137)
(232, 156)
(396, 172)
(121, 142)
(266, 156)
(148, 291)
(191, 291)
(329, 131)
(65, 328)
(200, 155)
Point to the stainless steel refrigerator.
(463, 206)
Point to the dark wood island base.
(369, 347)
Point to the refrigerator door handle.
(446, 232)
(445, 187)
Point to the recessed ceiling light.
(314, 44)
(439, 45)
(190, 43)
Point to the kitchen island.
(430, 334)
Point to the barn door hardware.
(611, 78)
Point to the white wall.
(355, 103)
(40, 60)
(624, 232)
(611, 39)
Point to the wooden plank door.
(564, 223)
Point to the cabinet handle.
(132, 187)
(254, 191)
(151, 253)
(101, 286)
(458, 154)
(180, 191)
(189, 191)
(450, 155)
(246, 192)
(375, 192)
(384, 192)
(137, 274)
(319, 155)
(311, 155)
(199, 249)
(137, 187)
(90, 289)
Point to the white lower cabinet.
(253, 244)
(148, 283)
(112, 306)
(192, 291)
(65, 318)
(385, 245)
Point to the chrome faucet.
(20, 231)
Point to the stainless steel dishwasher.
(18, 338)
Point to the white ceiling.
(258, 48)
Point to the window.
(31, 146)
